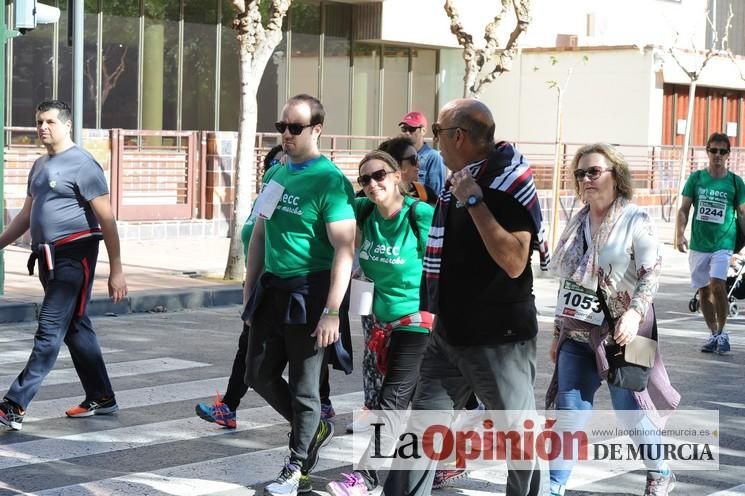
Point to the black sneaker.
(323, 436)
(89, 407)
(11, 415)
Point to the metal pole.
(4, 35)
(556, 186)
(684, 154)
(77, 71)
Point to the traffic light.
(29, 13)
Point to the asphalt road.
(162, 364)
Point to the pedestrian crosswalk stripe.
(132, 398)
(118, 369)
(11, 336)
(734, 491)
(21, 356)
(218, 475)
(124, 438)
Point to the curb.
(155, 301)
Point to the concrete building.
(165, 73)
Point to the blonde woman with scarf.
(610, 244)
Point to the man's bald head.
(473, 116)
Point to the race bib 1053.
(578, 303)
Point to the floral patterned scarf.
(570, 260)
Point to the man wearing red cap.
(432, 171)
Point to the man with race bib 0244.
(718, 198)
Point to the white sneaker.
(360, 422)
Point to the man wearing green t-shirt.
(718, 198)
(305, 247)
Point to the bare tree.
(109, 79)
(257, 42)
(719, 48)
(477, 59)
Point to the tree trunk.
(251, 66)
(244, 164)
(472, 73)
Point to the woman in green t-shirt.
(392, 235)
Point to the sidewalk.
(175, 274)
(162, 275)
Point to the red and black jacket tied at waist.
(81, 246)
(380, 339)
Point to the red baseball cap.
(414, 119)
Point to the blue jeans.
(578, 382)
(61, 318)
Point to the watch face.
(472, 200)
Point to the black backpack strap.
(412, 219)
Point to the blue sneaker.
(218, 412)
(287, 482)
(723, 343)
(710, 346)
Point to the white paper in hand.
(268, 199)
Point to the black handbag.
(621, 373)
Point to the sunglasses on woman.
(378, 175)
(295, 129)
(720, 151)
(591, 172)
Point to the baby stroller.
(735, 288)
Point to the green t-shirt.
(391, 256)
(296, 242)
(246, 231)
(714, 225)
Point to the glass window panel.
(200, 20)
(271, 92)
(273, 87)
(305, 20)
(119, 75)
(32, 73)
(424, 79)
(229, 75)
(64, 60)
(90, 27)
(366, 70)
(336, 59)
(395, 88)
(452, 70)
(160, 67)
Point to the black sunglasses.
(414, 160)
(592, 173)
(720, 151)
(295, 129)
(405, 128)
(378, 175)
(437, 129)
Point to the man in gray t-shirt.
(68, 210)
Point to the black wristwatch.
(473, 200)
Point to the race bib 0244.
(578, 303)
(711, 211)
